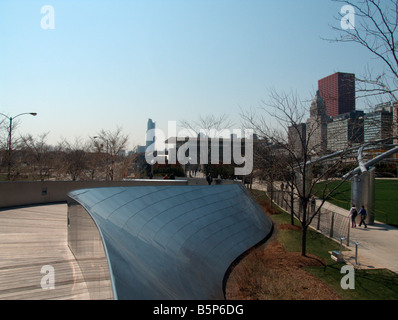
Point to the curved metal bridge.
(162, 242)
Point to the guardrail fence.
(332, 224)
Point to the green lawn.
(386, 198)
(376, 284)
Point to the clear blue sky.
(114, 63)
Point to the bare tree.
(74, 160)
(373, 25)
(38, 150)
(279, 118)
(8, 143)
(208, 126)
(110, 144)
(270, 164)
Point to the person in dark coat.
(362, 213)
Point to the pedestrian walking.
(209, 179)
(353, 214)
(362, 213)
(313, 202)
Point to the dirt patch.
(289, 227)
(267, 207)
(270, 273)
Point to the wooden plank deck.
(32, 237)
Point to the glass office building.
(378, 125)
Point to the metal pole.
(9, 151)
(341, 243)
(348, 233)
(356, 252)
(10, 139)
(370, 163)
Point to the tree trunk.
(304, 240)
(272, 194)
(304, 225)
(291, 205)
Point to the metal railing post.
(331, 226)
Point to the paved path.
(32, 237)
(378, 244)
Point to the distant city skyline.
(99, 64)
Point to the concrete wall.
(37, 192)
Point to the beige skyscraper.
(316, 126)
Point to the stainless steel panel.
(166, 242)
(363, 193)
(85, 241)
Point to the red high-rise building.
(338, 93)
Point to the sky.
(104, 64)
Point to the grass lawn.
(386, 198)
(376, 284)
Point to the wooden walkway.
(30, 238)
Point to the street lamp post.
(10, 139)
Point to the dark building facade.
(338, 92)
